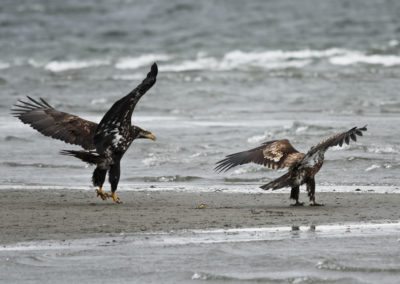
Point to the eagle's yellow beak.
(150, 136)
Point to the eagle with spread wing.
(104, 144)
(280, 154)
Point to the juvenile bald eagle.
(279, 154)
(105, 143)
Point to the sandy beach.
(73, 214)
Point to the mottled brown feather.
(56, 124)
(275, 154)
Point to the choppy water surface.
(366, 253)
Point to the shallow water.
(352, 253)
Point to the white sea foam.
(140, 61)
(4, 65)
(235, 60)
(98, 101)
(372, 167)
(200, 63)
(257, 139)
(383, 149)
(278, 59)
(128, 77)
(271, 59)
(352, 58)
(61, 66)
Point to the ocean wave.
(382, 166)
(336, 266)
(239, 60)
(280, 59)
(204, 276)
(230, 60)
(372, 167)
(356, 57)
(249, 168)
(127, 77)
(140, 61)
(208, 63)
(38, 165)
(225, 278)
(61, 66)
(4, 65)
(298, 127)
(383, 149)
(246, 180)
(260, 138)
(390, 107)
(175, 178)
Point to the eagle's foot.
(103, 195)
(316, 204)
(297, 204)
(115, 198)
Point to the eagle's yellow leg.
(115, 198)
(103, 195)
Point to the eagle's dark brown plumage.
(56, 124)
(105, 143)
(279, 154)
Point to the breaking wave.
(175, 178)
(61, 66)
(140, 61)
(4, 65)
(390, 107)
(383, 149)
(280, 59)
(204, 276)
(356, 57)
(38, 165)
(231, 60)
(336, 266)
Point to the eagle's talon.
(103, 195)
(115, 198)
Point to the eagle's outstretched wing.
(121, 111)
(273, 154)
(338, 139)
(56, 124)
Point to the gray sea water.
(353, 254)
(233, 74)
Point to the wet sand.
(70, 214)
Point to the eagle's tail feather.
(86, 156)
(280, 182)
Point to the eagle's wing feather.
(273, 154)
(338, 139)
(121, 111)
(56, 124)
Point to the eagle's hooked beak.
(148, 135)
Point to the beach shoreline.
(34, 215)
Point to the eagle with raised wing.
(104, 144)
(280, 154)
